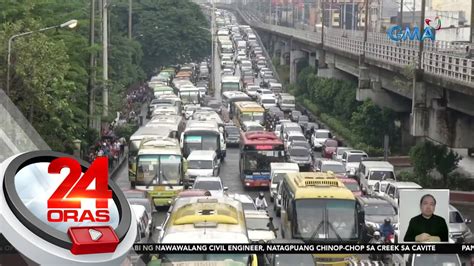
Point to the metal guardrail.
(440, 58)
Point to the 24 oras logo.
(65, 204)
(396, 33)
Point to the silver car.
(458, 229)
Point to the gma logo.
(396, 33)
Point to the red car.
(329, 147)
(352, 185)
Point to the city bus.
(173, 123)
(230, 83)
(161, 89)
(134, 145)
(258, 149)
(205, 220)
(229, 98)
(316, 207)
(160, 169)
(189, 95)
(202, 135)
(248, 111)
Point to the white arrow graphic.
(95, 235)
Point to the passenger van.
(201, 163)
(267, 101)
(392, 192)
(286, 102)
(277, 171)
(276, 88)
(143, 223)
(370, 172)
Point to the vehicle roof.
(372, 200)
(322, 131)
(159, 145)
(314, 185)
(294, 133)
(259, 137)
(208, 178)
(330, 161)
(349, 152)
(405, 184)
(201, 125)
(377, 164)
(275, 84)
(253, 106)
(256, 214)
(348, 180)
(201, 155)
(243, 198)
(192, 193)
(138, 210)
(252, 123)
(230, 79)
(284, 166)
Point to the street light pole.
(213, 82)
(69, 24)
(130, 19)
(105, 59)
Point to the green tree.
(171, 32)
(446, 161)
(370, 123)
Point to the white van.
(143, 222)
(392, 192)
(267, 101)
(277, 171)
(241, 45)
(276, 88)
(370, 172)
(202, 163)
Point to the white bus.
(230, 83)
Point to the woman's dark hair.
(427, 195)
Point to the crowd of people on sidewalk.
(110, 144)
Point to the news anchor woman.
(427, 227)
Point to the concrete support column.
(276, 48)
(363, 88)
(406, 139)
(285, 49)
(312, 59)
(419, 114)
(295, 56)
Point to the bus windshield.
(249, 116)
(190, 97)
(230, 86)
(260, 160)
(325, 219)
(158, 169)
(207, 143)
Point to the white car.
(212, 184)
(319, 137)
(351, 160)
(259, 226)
(337, 155)
(264, 92)
(248, 204)
(251, 90)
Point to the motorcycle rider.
(386, 228)
(376, 239)
(260, 201)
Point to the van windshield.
(277, 178)
(199, 164)
(381, 175)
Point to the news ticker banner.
(154, 248)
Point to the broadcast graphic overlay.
(423, 216)
(57, 209)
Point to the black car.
(215, 105)
(376, 210)
(232, 134)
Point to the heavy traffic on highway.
(237, 163)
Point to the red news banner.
(305, 248)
